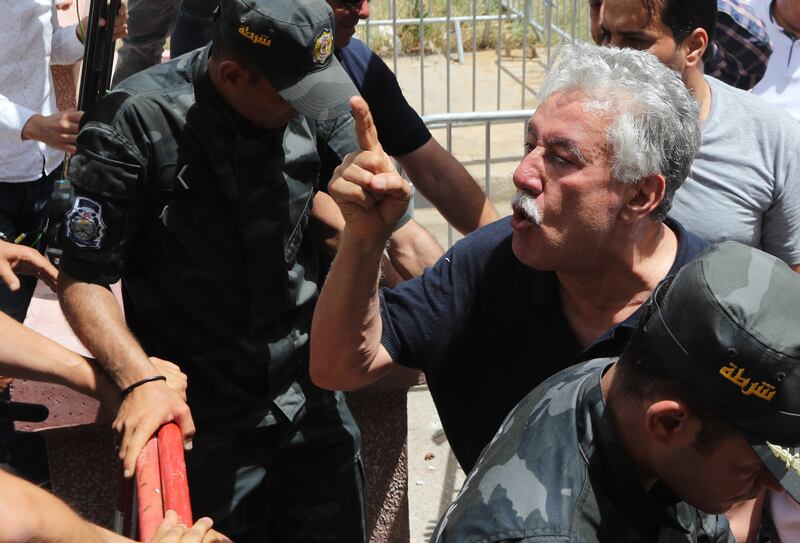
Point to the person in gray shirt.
(745, 181)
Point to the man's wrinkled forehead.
(631, 15)
(574, 122)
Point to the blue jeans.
(24, 210)
(194, 27)
(149, 24)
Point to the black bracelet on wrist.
(130, 388)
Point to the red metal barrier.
(161, 484)
(174, 484)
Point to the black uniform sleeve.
(107, 208)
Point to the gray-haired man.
(520, 299)
(700, 412)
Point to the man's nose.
(363, 10)
(527, 176)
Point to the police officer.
(701, 411)
(194, 183)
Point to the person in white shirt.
(781, 83)
(34, 135)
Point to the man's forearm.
(98, 321)
(448, 186)
(346, 331)
(28, 514)
(412, 249)
(27, 354)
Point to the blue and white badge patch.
(85, 226)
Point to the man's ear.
(670, 423)
(231, 73)
(643, 196)
(694, 45)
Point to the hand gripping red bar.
(161, 482)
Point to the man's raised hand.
(370, 193)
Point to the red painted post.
(173, 472)
(161, 482)
(148, 491)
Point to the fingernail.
(188, 446)
(378, 183)
(127, 474)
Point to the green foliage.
(433, 37)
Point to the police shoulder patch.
(84, 222)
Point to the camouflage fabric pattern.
(553, 473)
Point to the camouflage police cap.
(729, 328)
(291, 42)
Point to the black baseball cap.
(291, 42)
(728, 327)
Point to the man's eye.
(639, 45)
(558, 160)
(528, 147)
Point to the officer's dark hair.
(640, 375)
(683, 16)
(222, 49)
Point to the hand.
(59, 130)
(120, 24)
(176, 379)
(366, 186)
(143, 412)
(171, 531)
(16, 259)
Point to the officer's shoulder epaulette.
(104, 110)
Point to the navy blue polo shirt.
(486, 329)
(400, 128)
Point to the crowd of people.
(615, 361)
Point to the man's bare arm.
(27, 354)
(29, 514)
(412, 249)
(346, 352)
(97, 319)
(448, 186)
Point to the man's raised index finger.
(365, 127)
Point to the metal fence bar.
(437, 120)
(499, 50)
(474, 51)
(487, 145)
(422, 60)
(459, 42)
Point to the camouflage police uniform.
(204, 219)
(724, 328)
(555, 473)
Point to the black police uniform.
(204, 218)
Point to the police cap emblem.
(323, 46)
